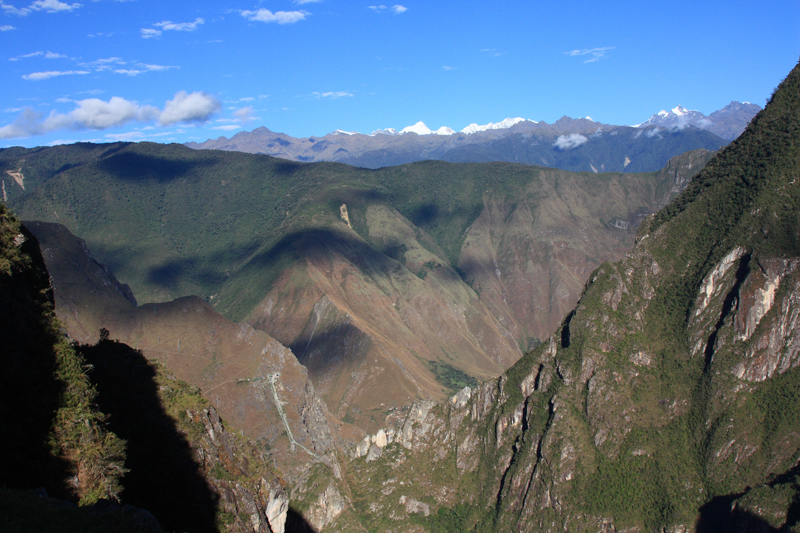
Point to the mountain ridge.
(589, 145)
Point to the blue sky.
(178, 71)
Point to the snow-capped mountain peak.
(444, 130)
(505, 124)
(419, 128)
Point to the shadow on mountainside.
(295, 523)
(133, 166)
(163, 476)
(30, 392)
(720, 515)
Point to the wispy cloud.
(573, 140)
(11, 10)
(596, 53)
(396, 9)
(280, 17)
(168, 25)
(7, 28)
(127, 136)
(141, 68)
(96, 114)
(493, 52)
(445, 67)
(48, 6)
(245, 114)
(180, 26)
(332, 95)
(47, 55)
(227, 127)
(303, 2)
(36, 76)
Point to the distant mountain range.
(579, 145)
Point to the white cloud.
(194, 107)
(650, 133)
(244, 114)
(27, 123)
(11, 10)
(53, 6)
(492, 52)
(228, 127)
(168, 25)
(396, 9)
(180, 26)
(573, 140)
(596, 53)
(333, 95)
(24, 56)
(445, 67)
(103, 64)
(142, 68)
(35, 76)
(7, 28)
(127, 136)
(47, 55)
(301, 2)
(95, 114)
(281, 17)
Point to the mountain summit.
(728, 122)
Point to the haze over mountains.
(569, 144)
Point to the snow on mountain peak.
(387, 131)
(419, 128)
(342, 132)
(680, 110)
(505, 124)
(444, 130)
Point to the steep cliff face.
(667, 400)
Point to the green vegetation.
(450, 377)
